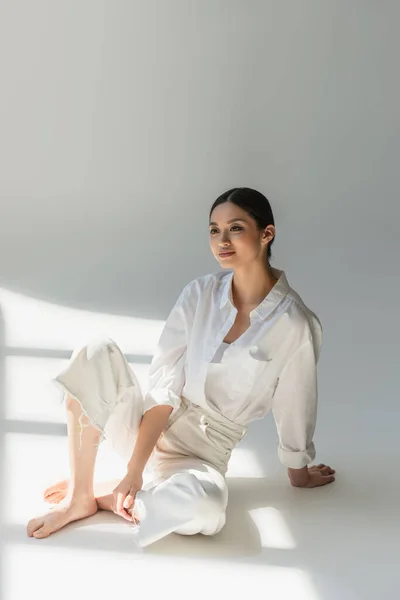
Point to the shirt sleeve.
(166, 376)
(294, 407)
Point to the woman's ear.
(269, 233)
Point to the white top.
(217, 391)
(271, 366)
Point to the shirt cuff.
(161, 397)
(297, 459)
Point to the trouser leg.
(99, 377)
(187, 502)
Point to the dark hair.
(254, 203)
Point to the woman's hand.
(320, 475)
(125, 492)
(310, 477)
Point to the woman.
(235, 345)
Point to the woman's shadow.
(239, 537)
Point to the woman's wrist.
(133, 467)
(153, 422)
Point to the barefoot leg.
(104, 494)
(79, 502)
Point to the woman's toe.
(41, 533)
(34, 525)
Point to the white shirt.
(271, 366)
(217, 390)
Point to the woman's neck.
(251, 285)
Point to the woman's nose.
(224, 239)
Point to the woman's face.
(235, 238)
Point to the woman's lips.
(225, 254)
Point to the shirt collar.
(270, 301)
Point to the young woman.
(235, 345)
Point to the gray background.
(121, 122)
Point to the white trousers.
(188, 493)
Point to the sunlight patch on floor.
(66, 573)
(244, 463)
(34, 462)
(30, 394)
(272, 527)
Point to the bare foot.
(66, 512)
(105, 502)
(102, 491)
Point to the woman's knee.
(213, 522)
(72, 404)
(203, 502)
(88, 381)
(208, 500)
(213, 506)
(94, 346)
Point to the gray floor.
(335, 543)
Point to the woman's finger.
(120, 503)
(129, 500)
(326, 470)
(118, 507)
(126, 515)
(327, 479)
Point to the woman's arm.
(166, 379)
(166, 376)
(294, 406)
(151, 427)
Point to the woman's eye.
(237, 227)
